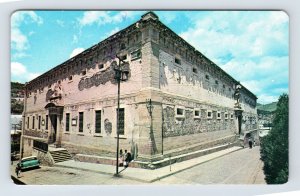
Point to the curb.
(17, 181)
(175, 172)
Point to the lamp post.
(150, 108)
(121, 75)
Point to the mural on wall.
(180, 126)
(101, 77)
(49, 94)
(34, 133)
(205, 74)
(188, 125)
(107, 127)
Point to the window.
(195, 70)
(46, 122)
(226, 115)
(217, 82)
(179, 112)
(67, 122)
(136, 55)
(209, 114)
(178, 61)
(224, 86)
(33, 119)
(218, 115)
(80, 121)
(70, 78)
(196, 113)
(83, 72)
(98, 121)
(123, 46)
(207, 77)
(39, 125)
(27, 122)
(101, 66)
(121, 121)
(231, 116)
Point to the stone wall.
(27, 146)
(188, 124)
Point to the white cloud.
(29, 16)
(76, 51)
(18, 69)
(19, 40)
(32, 76)
(264, 98)
(105, 17)
(19, 73)
(18, 55)
(239, 33)
(91, 17)
(250, 46)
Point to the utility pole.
(120, 75)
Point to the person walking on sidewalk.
(250, 143)
(18, 170)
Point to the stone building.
(174, 100)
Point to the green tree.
(274, 147)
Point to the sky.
(251, 46)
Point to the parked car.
(29, 162)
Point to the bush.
(274, 146)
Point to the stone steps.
(179, 158)
(60, 155)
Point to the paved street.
(62, 176)
(230, 166)
(240, 167)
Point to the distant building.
(15, 133)
(16, 122)
(195, 104)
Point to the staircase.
(60, 155)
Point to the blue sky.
(252, 46)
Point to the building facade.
(173, 99)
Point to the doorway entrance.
(53, 119)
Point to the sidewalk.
(144, 175)
(135, 174)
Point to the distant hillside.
(16, 87)
(270, 107)
(17, 95)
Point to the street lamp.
(149, 106)
(121, 74)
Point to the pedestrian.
(254, 143)
(18, 170)
(127, 158)
(250, 143)
(121, 158)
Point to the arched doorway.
(55, 113)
